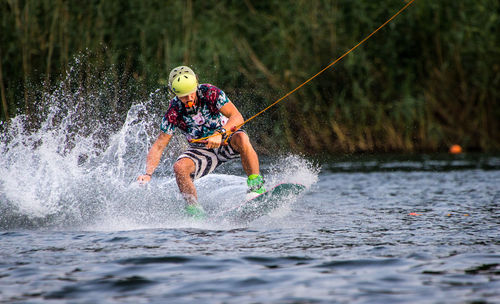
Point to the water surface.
(75, 227)
(356, 236)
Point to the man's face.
(189, 100)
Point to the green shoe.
(195, 211)
(255, 184)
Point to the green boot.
(255, 184)
(195, 211)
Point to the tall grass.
(429, 79)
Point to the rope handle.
(225, 135)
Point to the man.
(201, 110)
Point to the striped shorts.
(207, 160)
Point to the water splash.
(293, 169)
(73, 162)
(75, 167)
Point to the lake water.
(367, 230)
(75, 227)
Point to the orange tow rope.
(308, 80)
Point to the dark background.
(426, 81)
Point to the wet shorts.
(206, 160)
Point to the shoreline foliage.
(429, 79)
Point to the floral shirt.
(203, 119)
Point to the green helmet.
(184, 84)
(174, 75)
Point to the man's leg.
(183, 169)
(249, 159)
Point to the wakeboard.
(264, 203)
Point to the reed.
(427, 80)
(5, 106)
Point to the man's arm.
(154, 156)
(234, 118)
(230, 111)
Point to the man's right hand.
(144, 179)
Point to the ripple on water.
(356, 238)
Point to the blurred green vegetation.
(429, 79)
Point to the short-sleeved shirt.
(205, 117)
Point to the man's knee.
(240, 141)
(184, 167)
